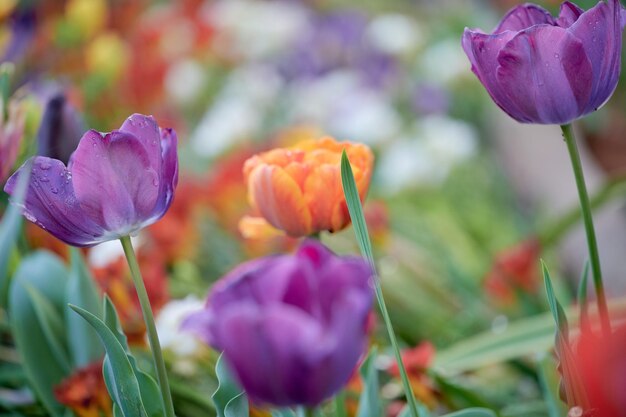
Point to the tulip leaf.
(9, 231)
(229, 399)
(150, 393)
(423, 411)
(46, 273)
(571, 380)
(118, 372)
(353, 200)
(369, 402)
(549, 383)
(52, 326)
(84, 345)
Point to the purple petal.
(280, 341)
(114, 180)
(482, 51)
(523, 17)
(51, 203)
(600, 31)
(169, 172)
(147, 132)
(569, 14)
(545, 71)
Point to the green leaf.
(355, 209)
(52, 325)
(472, 412)
(83, 341)
(369, 402)
(571, 380)
(549, 386)
(112, 321)
(555, 307)
(582, 298)
(229, 399)
(9, 232)
(150, 393)
(118, 372)
(422, 410)
(47, 274)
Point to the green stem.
(153, 337)
(340, 404)
(585, 207)
(554, 231)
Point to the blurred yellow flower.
(298, 189)
(107, 55)
(88, 16)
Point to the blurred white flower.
(168, 322)
(444, 62)
(395, 34)
(184, 80)
(256, 29)
(437, 144)
(103, 254)
(238, 110)
(342, 106)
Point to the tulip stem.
(153, 337)
(585, 206)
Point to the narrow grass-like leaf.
(9, 231)
(283, 412)
(83, 341)
(52, 326)
(369, 402)
(119, 371)
(555, 307)
(229, 399)
(355, 209)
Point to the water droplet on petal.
(54, 190)
(30, 217)
(44, 165)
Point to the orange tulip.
(298, 189)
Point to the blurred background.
(464, 201)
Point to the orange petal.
(323, 193)
(279, 199)
(252, 227)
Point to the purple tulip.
(292, 327)
(541, 69)
(114, 184)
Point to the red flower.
(85, 392)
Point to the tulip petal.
(546, 72)
(323, 194)
(169, 173)
(279, 199)
(146, 130)
(51, 203)
(600, 31)
(569, 14)
(482, 51)
(280, 341)
(524, 16)
(114, 180)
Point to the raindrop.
(30, 217)
(44, 179)
(155, 182)
(44, 165)
(54, 190)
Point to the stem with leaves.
(153, 337)
(585, 206)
